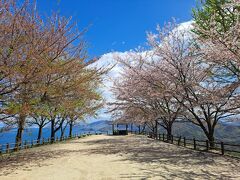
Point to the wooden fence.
(196, 144)
(13, 147)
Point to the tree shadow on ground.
(157, 159)
(167, 161)
(30, 157)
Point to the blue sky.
(118, 25)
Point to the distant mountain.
(101, 125)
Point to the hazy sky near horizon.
(118, 25)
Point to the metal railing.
(14, 147)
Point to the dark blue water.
(32, 133)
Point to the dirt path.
(108, 157)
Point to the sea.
(30, 134)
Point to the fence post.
(42, 141)
(159, 137)
(0, 149)
(207, 145)
(163, 138)
(194, 143)
(179, 140)
(184, 141)
(172, 139)
(7, 148)
(32, 143)
(222, 148)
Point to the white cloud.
(186, 26)
(108, 60)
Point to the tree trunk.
(40, 132)
(62, 133)
(21, 122)
(70, 128)
(113, 131)
(63, 128)
(143, 128)
(52, 130)
(156, 129)
(169, 132)
(211, 138)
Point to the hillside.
(227, 132)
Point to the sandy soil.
(108, 157)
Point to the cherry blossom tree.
(146, 93)
(174, 81)
(204, 99)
